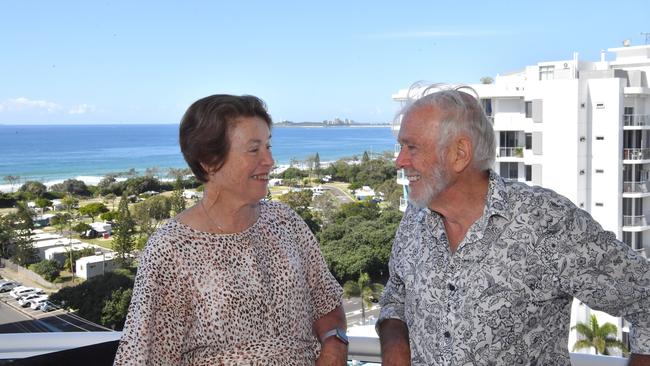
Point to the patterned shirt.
(249, 298)
(504, 296)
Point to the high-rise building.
(582, 129)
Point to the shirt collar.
(496, 202)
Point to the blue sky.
(146, 61)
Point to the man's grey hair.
(462, 113)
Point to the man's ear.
(461, 154)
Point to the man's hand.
(394, 339)
(333, 353)
(639, 360)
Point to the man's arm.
(394, 339)
(333, 351)
(639, 360)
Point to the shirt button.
(451, 287)
(446, 334)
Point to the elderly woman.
(233, 280)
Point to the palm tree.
(602, 338)
(369, 292)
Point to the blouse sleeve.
(325, 291)
(159, 312)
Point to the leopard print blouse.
(248, 298)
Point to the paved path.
(352, 308)
(339, 194)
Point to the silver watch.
(338, 333)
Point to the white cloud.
(82, 109)
(434, 34)
(22, 104)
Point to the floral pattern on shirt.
(504, 297)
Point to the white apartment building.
(582, 129)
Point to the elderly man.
(483, 271)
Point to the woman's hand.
(333, 353)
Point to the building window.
(509, 170)
(487, 106)
(546, 72)
(600, 106)
(528, 107)
(529, 141)
(599, 171)
(599, 204)
(600, 138)
(529, 173)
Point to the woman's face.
(245, 174)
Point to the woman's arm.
(333, 350)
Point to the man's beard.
(429, 191)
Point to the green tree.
(70, 202)
(22, 224)
(48, 269)
(487, 80)
(93, 209)
(72, 186)
(11, 180)
(317, 167)
(326, 207)
(124, 232)
(42, 203)
(108, 216)
(60, 221)
(89, 298)
(364, 288)
(80, 228)
(33, 189)
(149, 214)
(110, 197)
(300, 202)
(177, 201)
(116, 308)
(601, 338)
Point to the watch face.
(340, 334)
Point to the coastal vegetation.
(355, 237)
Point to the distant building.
(95, 265)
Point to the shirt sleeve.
(158, 315)
(324, 290)
(607, 275)
(392, 300)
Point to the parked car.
(26, 300)
(36, 303)
(8, 285)
(21, 291)
(47, 306)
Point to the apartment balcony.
(636, 121)
(401, 178)
(403, 203)
(635, 187)
(635, 223)
(514, 152)
(636, 154)
(98, 348)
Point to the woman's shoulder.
(164, 239)
(277, 209)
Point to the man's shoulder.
(526, 197)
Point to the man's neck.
(461, 204)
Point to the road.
(338, 193)
(352, 309)
(14, 319)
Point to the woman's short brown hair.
(204, 130)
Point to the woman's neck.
(227, 215)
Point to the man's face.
(425, 169)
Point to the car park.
(21, 291)
(6, 285)
(36, 303)
(26, 300)
(47, 306)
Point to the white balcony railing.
(403, 202)
(366, 349)
(636, 120)
(517, 152)
(635, 187)
(398, 148)
(638, 220)
(636, 154)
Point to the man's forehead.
(418, 120)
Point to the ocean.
(52, 153)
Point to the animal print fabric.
(504, 297)
(248, 298)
